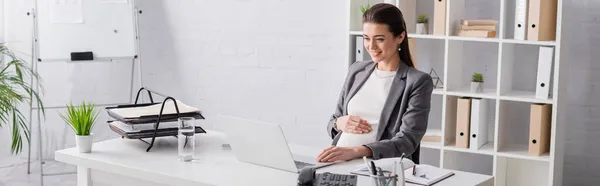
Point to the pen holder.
(384, 180)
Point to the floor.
(14, 173)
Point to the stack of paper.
(169, 108)
(142, 127)
(478, 28)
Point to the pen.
(367, 164)
(394, 168)
(373, 168)
(414, 170)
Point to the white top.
(213, 165)
(368, 104)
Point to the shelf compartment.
(512, 22)
(514, 130)
(466, 58)
(473, 10)
(432, 138)
(428, 57)
(519, 73)
(480, 117)
(468, 162)
(512, 171)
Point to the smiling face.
(380, 42)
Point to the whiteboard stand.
(35, 59)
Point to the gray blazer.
(405, 113)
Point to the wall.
(2, 20)
(282, 61)
(278, 61)
(103, 82)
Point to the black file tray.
(149, 118)
(150, 133)
(156, 119)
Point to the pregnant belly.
(351, 139)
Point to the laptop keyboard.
(301, 165)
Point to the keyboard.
(332, 179)
(301, 165)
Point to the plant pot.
(422, 28)
(476, 87)
(84, 143)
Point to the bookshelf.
(510, 68)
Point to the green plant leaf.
(15, 90)
(81, 118)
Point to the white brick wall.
(275, 61)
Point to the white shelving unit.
(509, 67)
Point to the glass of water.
(186, 138)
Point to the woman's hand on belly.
(353, 124)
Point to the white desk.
(126, 162)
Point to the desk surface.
(212, 165)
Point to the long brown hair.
(384, 13)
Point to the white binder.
(478, 123)
(545, 58)
(521, 19)
(360, 49)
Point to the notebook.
(426, 174)
(386, 164)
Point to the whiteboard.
(107, 29)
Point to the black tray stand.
(160, 115)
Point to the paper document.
(66, 11)
(152, 110)
(426, 174)
(142, 127)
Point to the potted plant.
(81, 119)
(364, 8)
(15, 90)
(477, 83)
(422, 24)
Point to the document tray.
(149, 118)
(150, 133)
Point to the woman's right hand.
(353, 124)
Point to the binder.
(542, 20)
(361, 53)
(463, 117)
(520, 19)
(439, 17)
(478, 123)
(409, 11)
(539, 129)
(545, 58)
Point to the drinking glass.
(186, 138)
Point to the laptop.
(251, 140)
